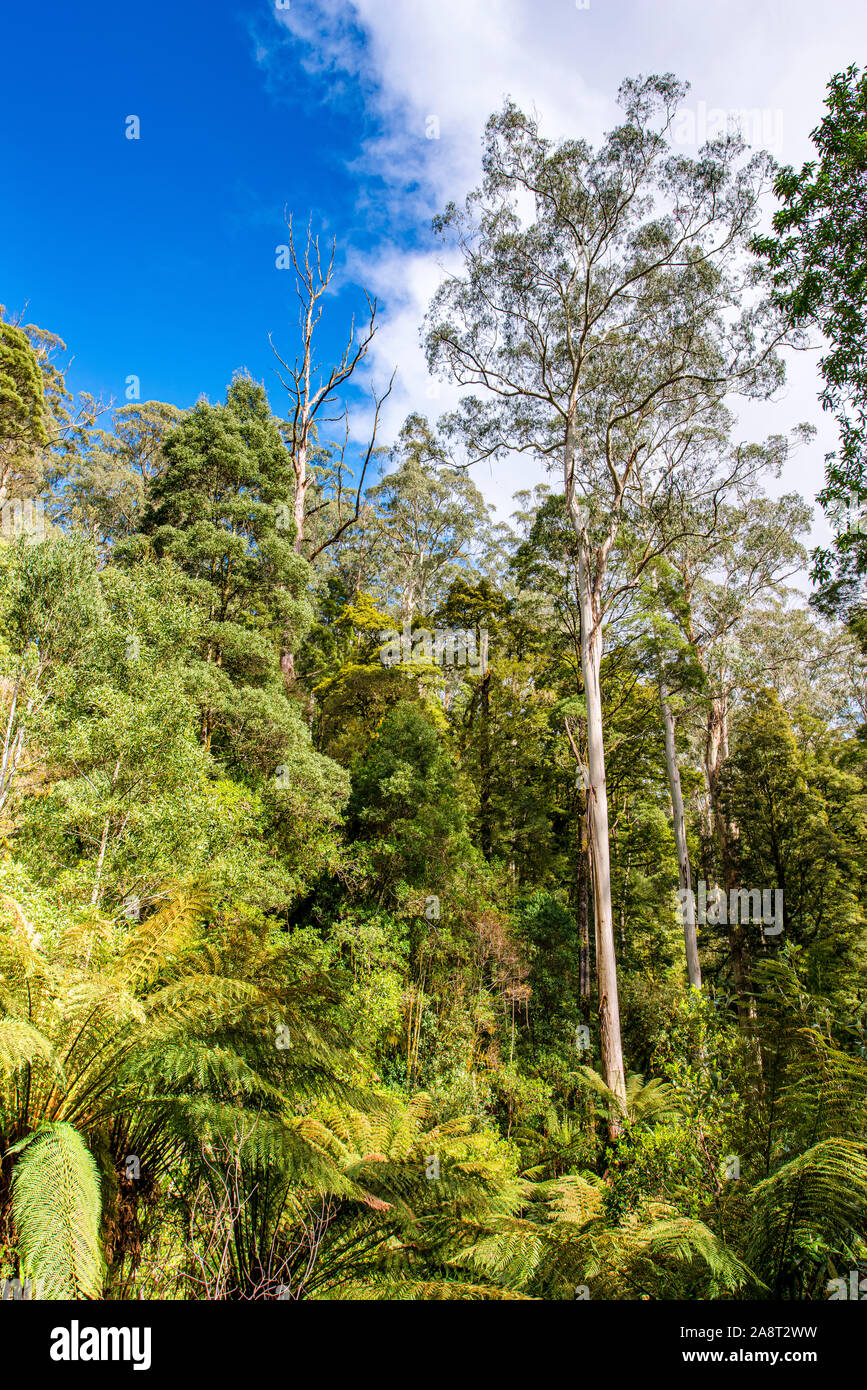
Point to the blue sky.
(156, 257)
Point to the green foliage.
(22, 392)
(300, 986)
(404, 802)
(816, 264)
(802, 817)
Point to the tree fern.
(818, 1200)
(645, 1101)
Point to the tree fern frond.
(685, 1241)
(645, 1101)
(153, 941)
(56, 1209)
(821, 1193)
(23, 1045)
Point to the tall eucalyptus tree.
(604, 314)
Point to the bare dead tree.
(315, 396)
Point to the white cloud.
(407, 283)
(453, 60)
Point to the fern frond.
(56, 1209)
(820, 1194)
(23, 1045)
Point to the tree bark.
(693, 966)
(716, 752)
(606, 962)
(583, 896)
(583, 874)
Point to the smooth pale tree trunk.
(606, 958)
(582, 882)
(590, 608)
(716, 752)
(13, 745)
(299, 516)
(716, 747)
(583, 895)
(679, 818)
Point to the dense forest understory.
(400, 904)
